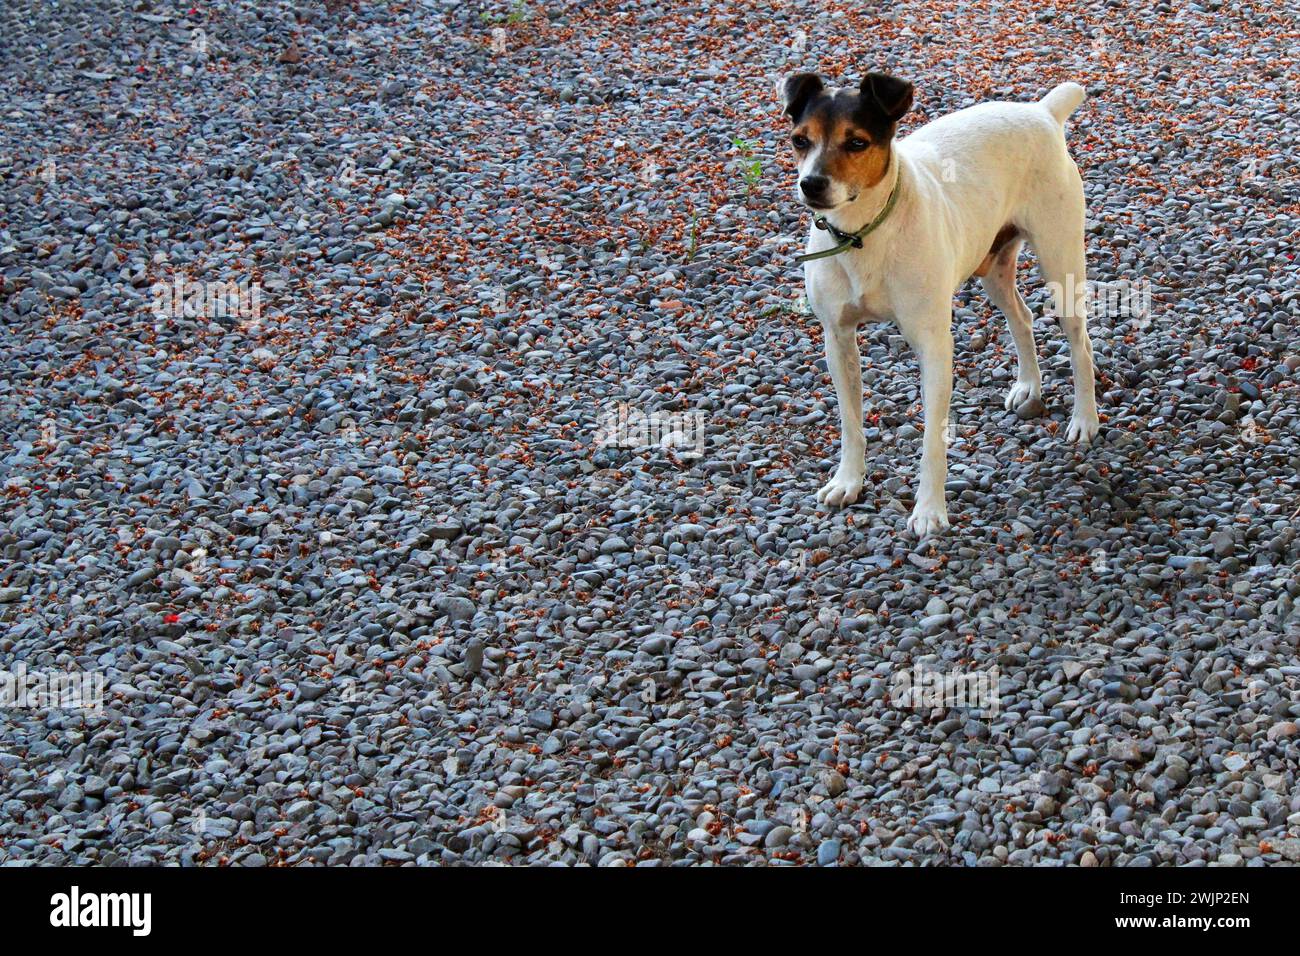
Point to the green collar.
(846, 240)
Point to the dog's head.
(841, 138)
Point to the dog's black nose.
(814, 186)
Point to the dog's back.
(997, 119)
(1006, 134)
(1003, 155)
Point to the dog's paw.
(1022, 392)
(842, 490)
(928, 519)
(1083, 428)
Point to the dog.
(900, 225)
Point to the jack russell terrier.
(900, 226)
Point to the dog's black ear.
(797, 91)
(890, 95)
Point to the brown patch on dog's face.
(842, 139)
(852, 154)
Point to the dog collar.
(850, 240)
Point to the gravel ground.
(365, 587)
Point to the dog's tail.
(1063, 100)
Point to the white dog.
(900, 226)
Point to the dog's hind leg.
(1055, 228)
(1000, 286)
(1061, 258)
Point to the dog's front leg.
(845, 364)
(933, 345)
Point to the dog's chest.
(850, 296)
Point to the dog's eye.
(856, 145)
(800, 142)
